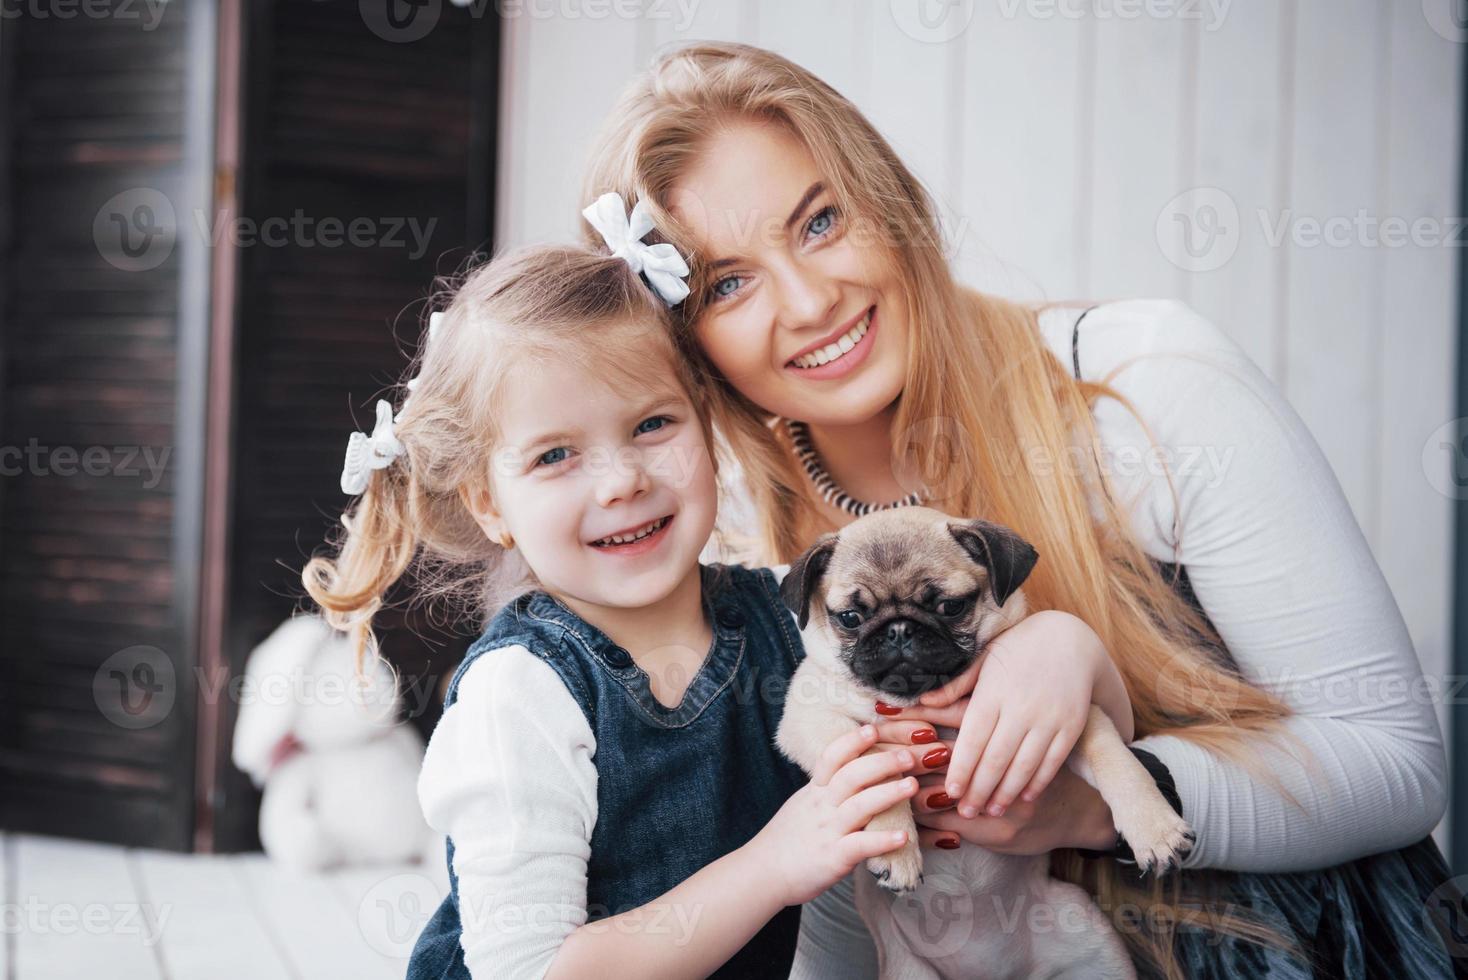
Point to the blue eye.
(727, 286)
(822, 221)
(544, 460)
(660, 419)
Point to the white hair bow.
(435, 320)
(660, 263)
(367, 453)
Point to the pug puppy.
(896, 604)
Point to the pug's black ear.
(1008, 557)
(804, 575)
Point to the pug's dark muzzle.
(905, 658)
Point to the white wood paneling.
(213, 929)
(830, 37)
(1332, 332)
(1416, 333)
(1137, 153)
(1244, 96)
(1025, 185)
(563, 74)
(80, 914)
(79, 909)
(913, 84)
(670, 25)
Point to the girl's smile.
(636, 540)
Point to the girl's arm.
(1280, 565)
(508, 776)
(813, 842)
(690, 931)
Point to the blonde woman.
(1197, 555)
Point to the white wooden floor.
(80, 910)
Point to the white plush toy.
(339, 771)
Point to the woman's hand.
(1032, 690)
(1069, 813)
(819, 835)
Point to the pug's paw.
(1158, 836)
(899, 871)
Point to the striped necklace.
(831, 493)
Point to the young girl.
(604, 769)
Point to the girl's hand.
(1032, 690)
(819, 835)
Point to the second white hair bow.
(367, 453)
(660, 263)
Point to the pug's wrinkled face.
(910, 596)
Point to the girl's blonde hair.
(996, 387)
(542, 303)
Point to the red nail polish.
(939, 801)
(936, 758)
(948, 843)
(923, 736)
(883, 708)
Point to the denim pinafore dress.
(677, 787)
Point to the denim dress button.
(619, 657)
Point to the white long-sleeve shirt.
(1274, 556)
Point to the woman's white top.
(1274, 555)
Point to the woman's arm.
(1278, 562)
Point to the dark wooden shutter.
(342, 124)
(100, 575)
(101, 344)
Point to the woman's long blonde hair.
(997, 387)
(534, 305)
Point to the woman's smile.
(839, 356)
